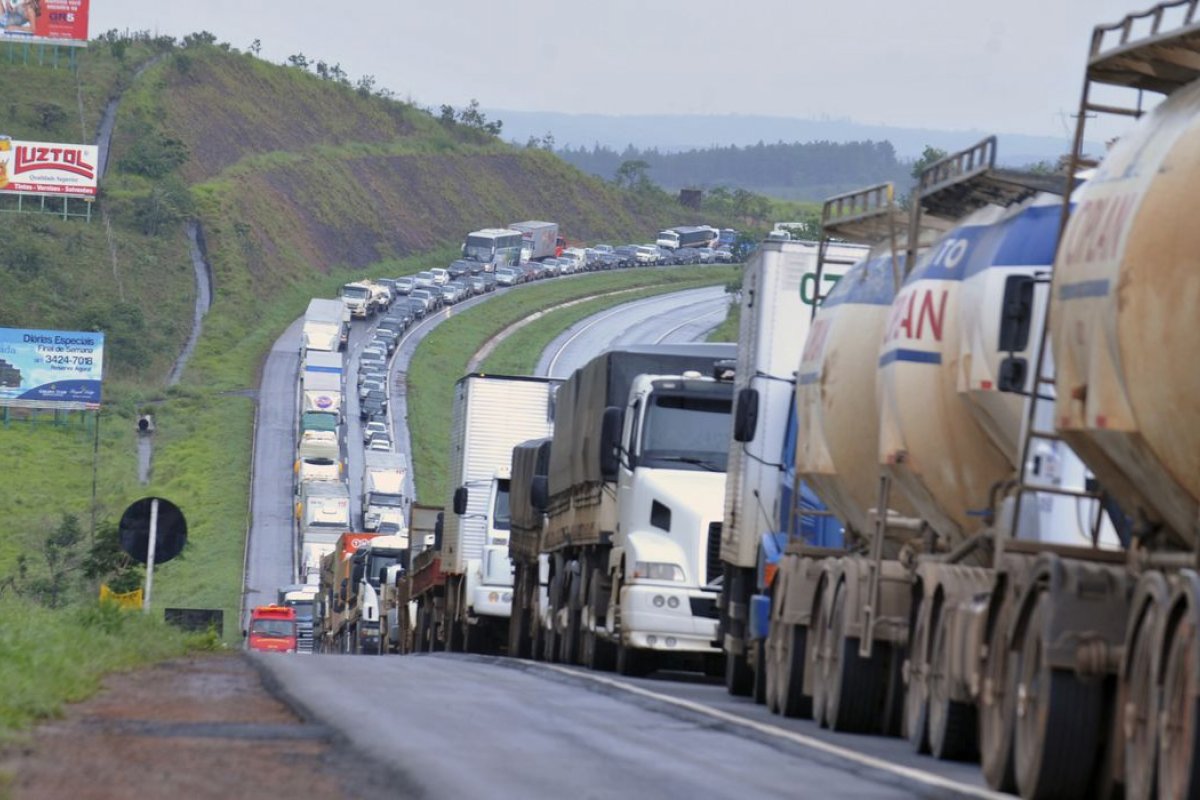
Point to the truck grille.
(704, 607)
(713, 562)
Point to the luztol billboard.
(45, 168)
(63, 22)
(50, 369)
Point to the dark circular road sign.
(135, 530)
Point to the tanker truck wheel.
(1058, 720)
(916, 696)
(997, 706)
(819, 662)
(952, 724)
(1142, 709)
(1178, 759)
(856, 686)
(785, 670)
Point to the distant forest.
(798, 171)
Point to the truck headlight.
(658, 571)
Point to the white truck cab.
(670, 499)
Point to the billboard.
(63, 22)
(46, 168)
(50, 369)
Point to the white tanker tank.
(1124, 330)
(836, 393)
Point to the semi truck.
(326, 325)
(383, 492)
(301, 598)
(322, 514)
(358, 299)
(375, 564)
(409, 624)
(318, 458)
(539, 239)
(492, 414)
(636, 482)
(527, 504)
(779, 295)
(322, 379)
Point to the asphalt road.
(677, 317)
(459, 726)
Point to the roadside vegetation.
(48, 658)
(727, 331)
(442, 357)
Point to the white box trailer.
(322, 377)
(326, 325)
(383, 497)
(779, 290)
(492, 414)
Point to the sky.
(1013, 66)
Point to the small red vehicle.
(272, 629)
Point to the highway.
(538, 730)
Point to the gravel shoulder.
(201, 727)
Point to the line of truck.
(956, 447)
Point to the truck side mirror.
(539, 493)
(745, 421)
(610, 441)
(1016, 316)
(460, 500)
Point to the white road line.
(684, 324)
(909, 773)
(624, 307)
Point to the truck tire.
(857, 686)
(997, 707)
(518, 620)
(760, 671)
(632, 662)
(739, 678)
(1178, 767)
(1058, 720)
(598, 652)
(953, 725)
(916, 705)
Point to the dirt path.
(202, 727)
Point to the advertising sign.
(50, 369)
(62, 22)
(45, 168)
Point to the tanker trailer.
(836, 454)
(1109, 675)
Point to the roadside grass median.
(442, 356)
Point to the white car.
(440, 276)
(372, 428)
(381, 444)
(370, 386)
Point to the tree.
(256, 47)
(365, 86)
(298, 60)
(632, 173)
(928, 156)
(447, 115)
(107, 563)
(197, 39)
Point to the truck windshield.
(304, 609)
(273, 627)
(377, 565)
(686, 431)
(356, 292)
(501, 517)
(479, 248)
(382, 499)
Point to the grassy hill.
(298, 183)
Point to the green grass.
(442, 356)
(48, 658)
(727, 331)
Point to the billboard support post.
(150, 546)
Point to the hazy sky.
(1012, 66)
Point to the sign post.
(150, 547)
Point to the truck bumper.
(368, 637)
(491, 601)
(669, 619)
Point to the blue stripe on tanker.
(913, 356)
(1026, 239)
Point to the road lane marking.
(908, 773)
